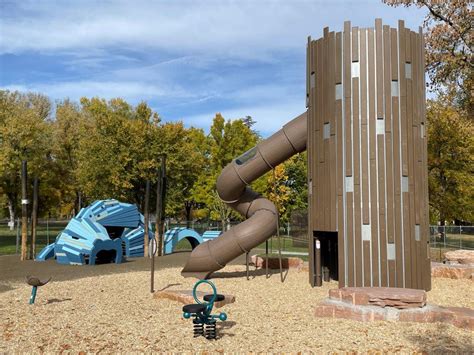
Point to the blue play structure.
(174, 235)
(103, 232)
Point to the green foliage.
(25, 134)
(226, 141)
(451, 162)
(449, 43)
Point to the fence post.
(24, 211)
(460, 239)
(47, 230)
(17, 234)
(444, 236)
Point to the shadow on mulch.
(168, 286)
(57, 300)
(252, 274)
(223, 326)
(445, 343)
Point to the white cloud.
(104, 89)
(270, 118)
(249, 29)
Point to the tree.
(67, 134)
(278, 190)
(185, 162)
(449, 45)
(25, 134)
(296, 170)
(121, 148)
(226, 141)
(451, 163)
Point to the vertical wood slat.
(314, 145)
(381, 152)
(355, 44)
(417, 151)
(308, 71)
(315, 142)
(403, 96)
(387, 82)
(382, 222)
(356, 161)
(379, 64)
(332, 138)
(310, 140)
(373, 162)
(325, 119)
(339, 118)
(350, 239)
(347, 95)
(339, 168)
(364, 128)
(319, 140)
(346, 76)
(367, 273)
(411, 185)
(399, 277)
(340, 243)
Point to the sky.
(187, 59)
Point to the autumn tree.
(449, 63)
(226, 141)
(449, 40)
(67, 134)
(25, 134)
(451, 163)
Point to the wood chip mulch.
(117, 313)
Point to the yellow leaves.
(278, 190)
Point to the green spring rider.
(204, 323)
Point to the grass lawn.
(8, 237)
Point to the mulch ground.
(115, 312)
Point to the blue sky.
(187, 59)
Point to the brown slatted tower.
(367, 157)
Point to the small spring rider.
(204, 323)
(35, 282)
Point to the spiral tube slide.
(261, 214)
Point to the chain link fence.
(293, 236)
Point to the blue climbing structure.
(105, 231)
(174, 235)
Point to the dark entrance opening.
(114, 232)
(105, 256)
(329, 255)
(186, 244)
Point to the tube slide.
(261, 214)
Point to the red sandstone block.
(335, 294)
(460, 256)
(451, 271)
(274, 263)
(383, 296)
(459, 317)
(462, 317)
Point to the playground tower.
(367, 157)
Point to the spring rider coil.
(204, 323)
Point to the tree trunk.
(11, 212)
(188, 207)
